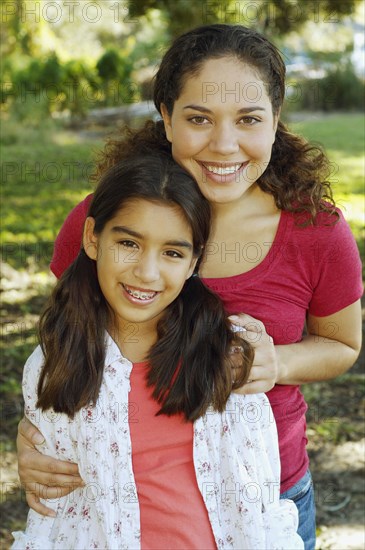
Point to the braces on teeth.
(140, 295)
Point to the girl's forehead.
(138, 210)
(134, 204)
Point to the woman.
(279, 250)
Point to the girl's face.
(143, 257)
(222, 128)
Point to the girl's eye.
(128, 244)
(199, 120)
(173, 254)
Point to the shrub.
(340, 89)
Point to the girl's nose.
(224, 140)
(146, 268)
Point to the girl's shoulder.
(31, 373)
(35, 360)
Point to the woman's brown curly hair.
(298, 173)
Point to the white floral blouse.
(236, 461)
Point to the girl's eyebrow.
(123, 229)
(243, 110)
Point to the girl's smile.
(143, 257)
(139, 295)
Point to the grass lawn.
(343, 137)
(44, 174)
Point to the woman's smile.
(224, 142)
(220, 172)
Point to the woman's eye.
(199, 120)
(249, 120)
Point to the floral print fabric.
(236, 461)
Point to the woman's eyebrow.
(243, 110)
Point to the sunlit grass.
(343, 137)
(343, 132)
(46, 171)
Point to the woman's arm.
(40, 475)
(331, 347)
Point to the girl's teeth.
(223, 171)
(140, 294)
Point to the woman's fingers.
(42, 476)
(264, 370)
(35, 491)
(255, 328)
(44, 470)
(37, 506)
(46, 480)
(29, 432)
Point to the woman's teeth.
(140, 294)
(222, 171)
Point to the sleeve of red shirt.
(68, 241)
(339, 279)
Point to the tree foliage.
(272, 17)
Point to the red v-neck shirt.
(315, 269)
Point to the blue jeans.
(302, 494)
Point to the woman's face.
(222, 128)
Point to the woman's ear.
(89, 239)
(276, 120)
(167, 121)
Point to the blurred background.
(72, 72)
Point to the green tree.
(114, 70)
(274, 17)
(19, 33)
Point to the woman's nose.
(224, 140)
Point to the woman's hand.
(264, 371)
(40, 475)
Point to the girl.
(279, 249)
(133, 378)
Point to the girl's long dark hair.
(190, 365)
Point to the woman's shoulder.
(68, 241)
(330, 223)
